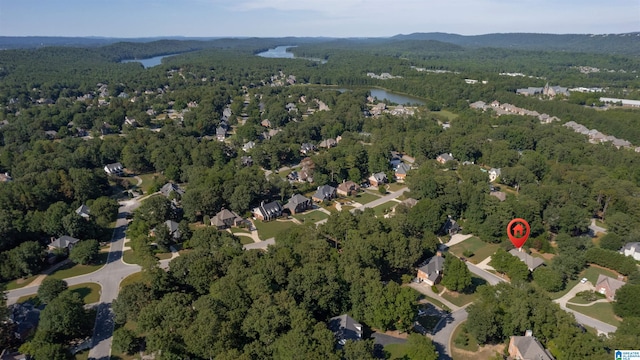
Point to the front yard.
(71, 269)
(385, 208)
(480, 249)
(269, 229)
(311, 216)
(600, 311)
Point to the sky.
(331, 18)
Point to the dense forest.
(67, 112)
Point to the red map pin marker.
(518, 231)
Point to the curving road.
(108, 277)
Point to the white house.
(114, 169)
(494, 174)
(632, 249)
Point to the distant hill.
(628, 44)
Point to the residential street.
(444, 332)
(108, 277)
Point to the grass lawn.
(568, 286)
(592, 273)
(461, 330)
(164, 256)
(235, 230)
(396, 351)
(89, 292)
(148, 181)
(481, 250)
(131, 279)
(435, 302)
(269, 229)
(71, 269)
(447, 114)
(19, 283)
(130, 257)
(461, 299)
(364, 197)
(579, 300)
(395, 186)
(312, 216)
(244, 240)
(600, 311)
(381, 209)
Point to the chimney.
(528, 333)
(439, 253)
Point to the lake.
(149, 62)
(281, 52)
(382, 94)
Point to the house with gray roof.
(83, 211)
(298, 203)
(221, 133)
(114, 169)
(631, 249)
(445, 158)
(324, 192)
(268, 211)
(345, 328)
(169, 188)
(63, 242)
(431, 272)
(527, 348)
(378, 179)
(531, 262)
(494, 174)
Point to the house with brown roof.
(608, 286)
(225, 219)
(348, 188)
(527, 348)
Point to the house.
(307, 148)
(266, 123)
(173, 229)
(499, 195)
(378, 179)
(269, 211)
(450, 226)
(5, 177)
(83, 211)
(631, 249)
(431, 272)
(225, 219)
(248, 146)
(221, 133)
(169, 188)
(63, 242)
(298, 203)
(608, 286)
(409, 202)
(345, 328)
(246, 161)
(329, 143)
(26, 317)
(293, 176)
(347, 188)
(130, 121)
(324, 192)
(444, 158)
(114, 169)
(494, 174)
(531, 262)
(401, 171)
(527, 348)
(51, 134)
